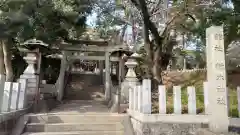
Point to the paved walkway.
(81, 106)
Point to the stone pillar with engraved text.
(216, 77)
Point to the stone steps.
(3, 133)
(65, 127)
(66, 118)
(78, 133)
(76, 118)
(75, 124)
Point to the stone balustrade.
(13, 98)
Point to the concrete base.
(165, 128)
(207, 132)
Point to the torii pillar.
(107, 77)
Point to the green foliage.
(216, 15)
(205, 17)
(47, 20)
(112, 17)
(140, 69)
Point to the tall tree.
(217, 14)
(159, 42)
(47, 20)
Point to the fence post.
(227, 101)
(177, 99)
(130, 99)
(15, 96)
(147, 103)
(139, 88)
(238, 98)
(23, 94)
(135, 98)
(2, 82)
(191, 100)
(205, 92)
(7, 97)
(162, 99)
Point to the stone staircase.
(75, 124)
(84, 87)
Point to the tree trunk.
(2, 69)
(149, 50)
(8, 61)
(156, 68)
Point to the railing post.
(192, 108)
(2, 83)
(162, 99)
(147, 102)
(130, 100)
(205, 93)
(23, 94)
(135, 98)
(7, 97)
(139, 89)
(15, 96)
(238, 99)
(177, 99)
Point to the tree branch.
(147, 21)
(136, 3)
(156, 7)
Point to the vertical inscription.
(216, 77)
(220, 77)
(218, 48)
(221, 101)
(220, 66)
(218, 36)
(220, 89)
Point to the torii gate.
(91, 46)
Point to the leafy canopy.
(47, 20)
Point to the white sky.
(91, 20)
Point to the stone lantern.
(131, 78)
(131, 64)
(32, 48)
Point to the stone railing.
(177, 112)
(13, 99)
(180, 114)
